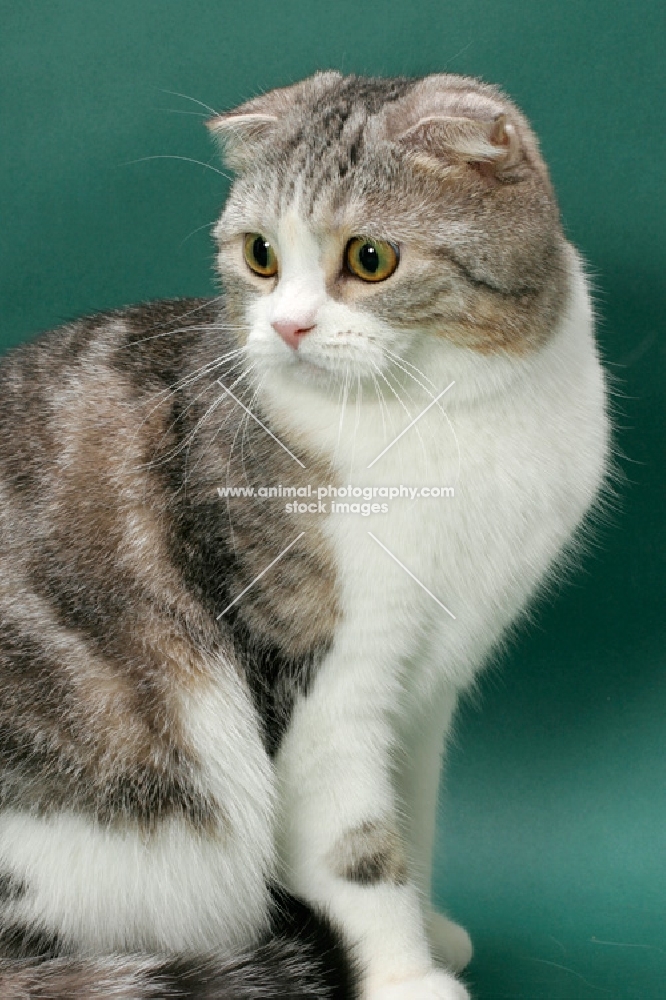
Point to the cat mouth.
(326, 363)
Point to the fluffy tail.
(304, 960)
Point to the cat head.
(376, 221)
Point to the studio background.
(552, 847)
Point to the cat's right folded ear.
(241, 131)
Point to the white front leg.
(340, 844)
(418, 776)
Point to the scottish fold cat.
(255, 547)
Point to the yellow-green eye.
(371, 260)
(260, 255)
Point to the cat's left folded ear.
(465, 139)
(440, 122)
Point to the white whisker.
(357, 419)
(345, 391)
(380, 400)
(400, 363)
(187, 381)
(180, 111)
(244, 374)
(169, 455)
(183, 329)
(405, 408)
(398, 357)
(206, 225)
(186, 159)
(186, 97)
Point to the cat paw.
(436, 985)
(450, 943)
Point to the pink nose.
(291, 332)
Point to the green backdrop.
(553, 845)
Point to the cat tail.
(305, 959)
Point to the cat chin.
(330, 375)
(320, 373)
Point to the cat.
(254, 548)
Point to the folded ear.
(241, 131)
(493, 142)
(452, 120)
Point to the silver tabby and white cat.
(223, 716)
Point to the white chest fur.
(524, 445)
(525, 452)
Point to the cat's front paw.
(436, 985)
(450, 943)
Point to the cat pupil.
(260, 251)
(369, 258)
